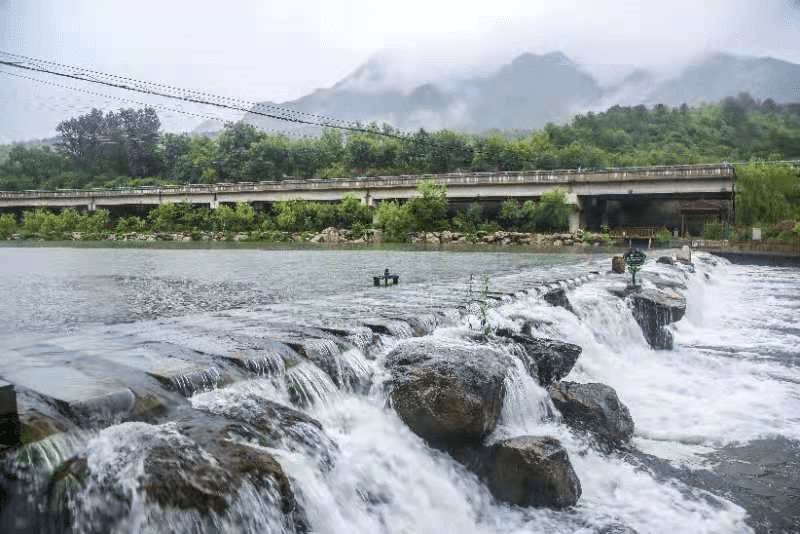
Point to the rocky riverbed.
(248, 424)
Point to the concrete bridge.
(663, 196)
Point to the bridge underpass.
(671, 196)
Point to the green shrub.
(394, 219)
(468, 220)
(428, 210)
(714, 230)
(358, 230)
(663, 236)
(8, 225)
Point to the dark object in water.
(376, 280)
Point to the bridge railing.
(454, 179)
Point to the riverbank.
(343, 236)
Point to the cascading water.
(731, 378)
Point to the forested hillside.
(127, 148)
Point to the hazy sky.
(269, 50)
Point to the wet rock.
(618, 264)
(326, 354)
(530, 471)
(654, 309)
(201, 472)
(186, 480)
(277, 425)
(393, 327)
(616, 528)
(547, 360)
(35, 426)
(450, 395)
(593, 408)
(667, 260)
(558, 297)
(421, 325)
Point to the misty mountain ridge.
(531, 91)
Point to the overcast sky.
(269, 50)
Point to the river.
(716, 443)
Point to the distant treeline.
(127, 148)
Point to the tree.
(552, 211)
(428, 210)
(394, 220)
(124, 143)
(233, 150)
(350, 211)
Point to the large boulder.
(653, 310)
(190, 468)
(449, 394)
(547, 360)
(593, 408)
(530, 471)
(275, 425)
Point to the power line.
(140, 103)
(201, 94)
(196, 97)
(205, 98)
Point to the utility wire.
(130, 84)
(199, 94)
(140, 103)
(204, 98)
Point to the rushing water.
(732, 380)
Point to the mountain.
(722, 75)
(527, 93)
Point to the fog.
(278, 51)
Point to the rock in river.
(176, 475)
(531, 471)
(447, 393)
(654, 309)
(547, 360)
(593, 408)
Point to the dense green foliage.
(550, 214)
(426, 211)
(125, 148)
(766, 194)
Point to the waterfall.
(321, 411)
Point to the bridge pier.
(577, 218)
